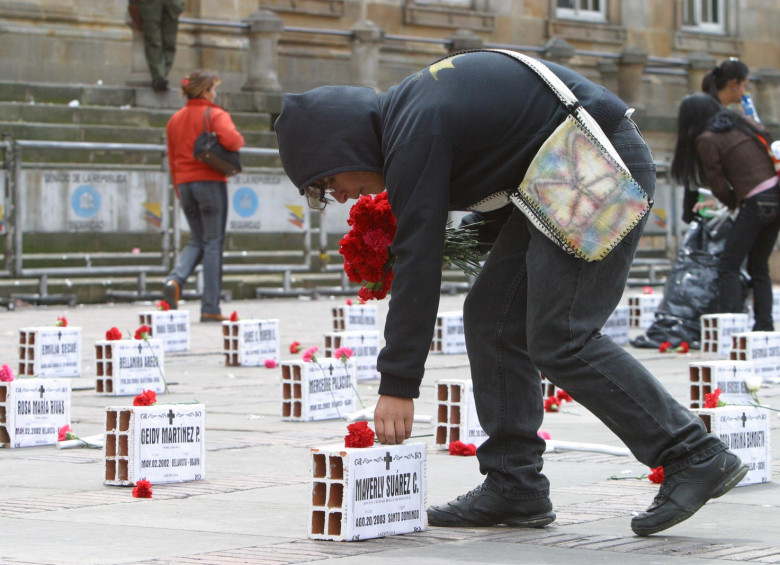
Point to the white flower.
(753, 382)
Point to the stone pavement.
(253, 506)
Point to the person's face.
(211, 93)
(354, 184)
(735, 89)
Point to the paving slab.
(253, 506)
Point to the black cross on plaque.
(140, 348)
(362, 338)
(330, 370)
(59, 335)
(41, 390)
(388, 459)
(171, 416)
(744, 419)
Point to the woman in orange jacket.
(202, 191)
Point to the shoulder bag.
(577, 190)
(210, 151)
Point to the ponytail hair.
(198, 82)
(720, 75)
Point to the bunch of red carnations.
(366, 248)
(368, 258)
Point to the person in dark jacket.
(459, 135)
(720, 149)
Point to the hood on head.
(329, 130)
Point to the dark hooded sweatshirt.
(446, 138)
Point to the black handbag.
(210, 151)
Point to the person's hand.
(709, 204)
(393, 419)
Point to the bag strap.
(775, 160)
(207, 121)
(566, 96)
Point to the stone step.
(126, 116)
(110, 133)
(120, 95)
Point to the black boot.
(684, 492)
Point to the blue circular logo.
(85, 201)
(245, 202)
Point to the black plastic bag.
(691, 288)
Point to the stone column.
(558, 50)
(608, 71)
(265, 27)
(631, 67)
(699, 64)
(765, 87)
(463, 39)
(366, 42)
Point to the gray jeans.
(205, 206)
(536, 308)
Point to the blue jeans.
(753, 236)
(205, 206)
(536, 308)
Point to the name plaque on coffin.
(50, 352)
(171, 326)
(448, 335)
(324, 390)
(32, 411)
(355, 317)
(365, 350)
(161, 444)
(745, 430)
(717, 329)
(642, 308)
(369, 492)
(729, 376)
(249, 343)
(127, 367)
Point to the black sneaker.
(684, 492)
(481, 507)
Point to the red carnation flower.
(463, 449)
(366, 248)
(142, 489)
(664, 347)
(270, 364)
(712, 400)
(143, 332)
(551, 404)
(163, 305)
(656, 475)
(295, 347)
(563, 396)
(683, 347)
(113, 334)
(360, 435)
(146, 398)
(63, 433)
(62, 322)
(234, 316)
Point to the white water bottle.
(749, 108)
(775, 148)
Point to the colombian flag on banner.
(153, 213)
(296, 215)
